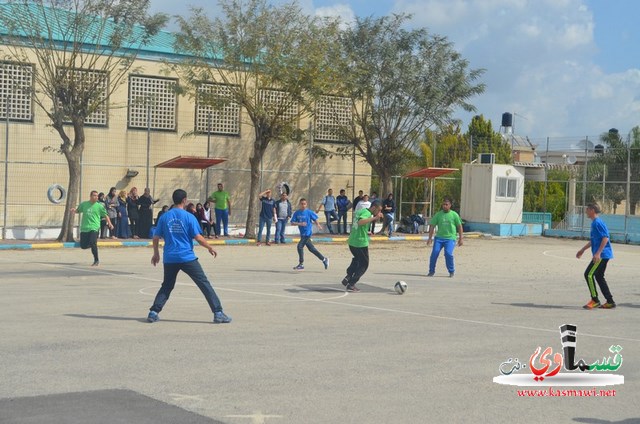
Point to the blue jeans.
(222, 216)
(342, 217)
(194, 270)
(438, 244)
(306, 241)
(263, 222)
(388, 221)
(281, 225)
(330, 216)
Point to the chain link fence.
(119, 156)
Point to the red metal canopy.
(190, 162)
(429, 172)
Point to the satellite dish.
(571, 160)
(283, 187)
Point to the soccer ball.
(400, 287)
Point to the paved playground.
(76, 348)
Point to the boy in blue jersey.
(304, 218)
(178, 228)
(602, 252)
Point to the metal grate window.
(86, 83)
(216, 111)
(16, 83)
(279, 103)
(155, 95)
(333, 114)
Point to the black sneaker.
(95, 263)
(221, 318)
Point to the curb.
(213, 242)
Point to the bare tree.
(83, 51)
(273, 61)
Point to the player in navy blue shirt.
(178, 228)
(602, 252)
(304, 218)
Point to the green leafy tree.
(255, 47)
(618, 158)
(83, 51)
(400, 82)
(485, 140)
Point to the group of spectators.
(337, 208)
(130, 214)
(214, 222)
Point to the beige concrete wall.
(111, 151)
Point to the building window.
(153, 103)
(16, 84)
(216, 112)
(279, 103)
(507, 188)
(90, 83)
(333, 116)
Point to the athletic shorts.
(88, 239)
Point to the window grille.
(215, 101)
(90, 79)
(333, 114)
(279, 103)
(16, 83)
(156, 95)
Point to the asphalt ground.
(74, 342)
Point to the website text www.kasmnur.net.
(551, 392)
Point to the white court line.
(355, 305)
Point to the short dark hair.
(376, 202)
(178, 196)
(594, 207)
(302, 199)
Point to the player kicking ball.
(304, 219)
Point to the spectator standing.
(145, 222)
(132, 211)
(343, 205)
(111, 202)
(357, 200)
(372, 198)
(329, 204)
(222, 209)
(205, 219)
(103, 221)
(388, 211)
(122, 230)
(283, 214)
(267, 215)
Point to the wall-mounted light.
(131, 173)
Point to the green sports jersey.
(92, 214)
(221, 199)
(447, 223)
(359, 236)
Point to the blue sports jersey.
(178, 228)
(599, 231)
(307, 216)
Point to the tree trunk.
(73, 156)
(255, 161)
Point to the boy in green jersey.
(359, 244)
(92, 213)
(448, 223)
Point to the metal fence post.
(6, 170)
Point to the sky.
(565, 69)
